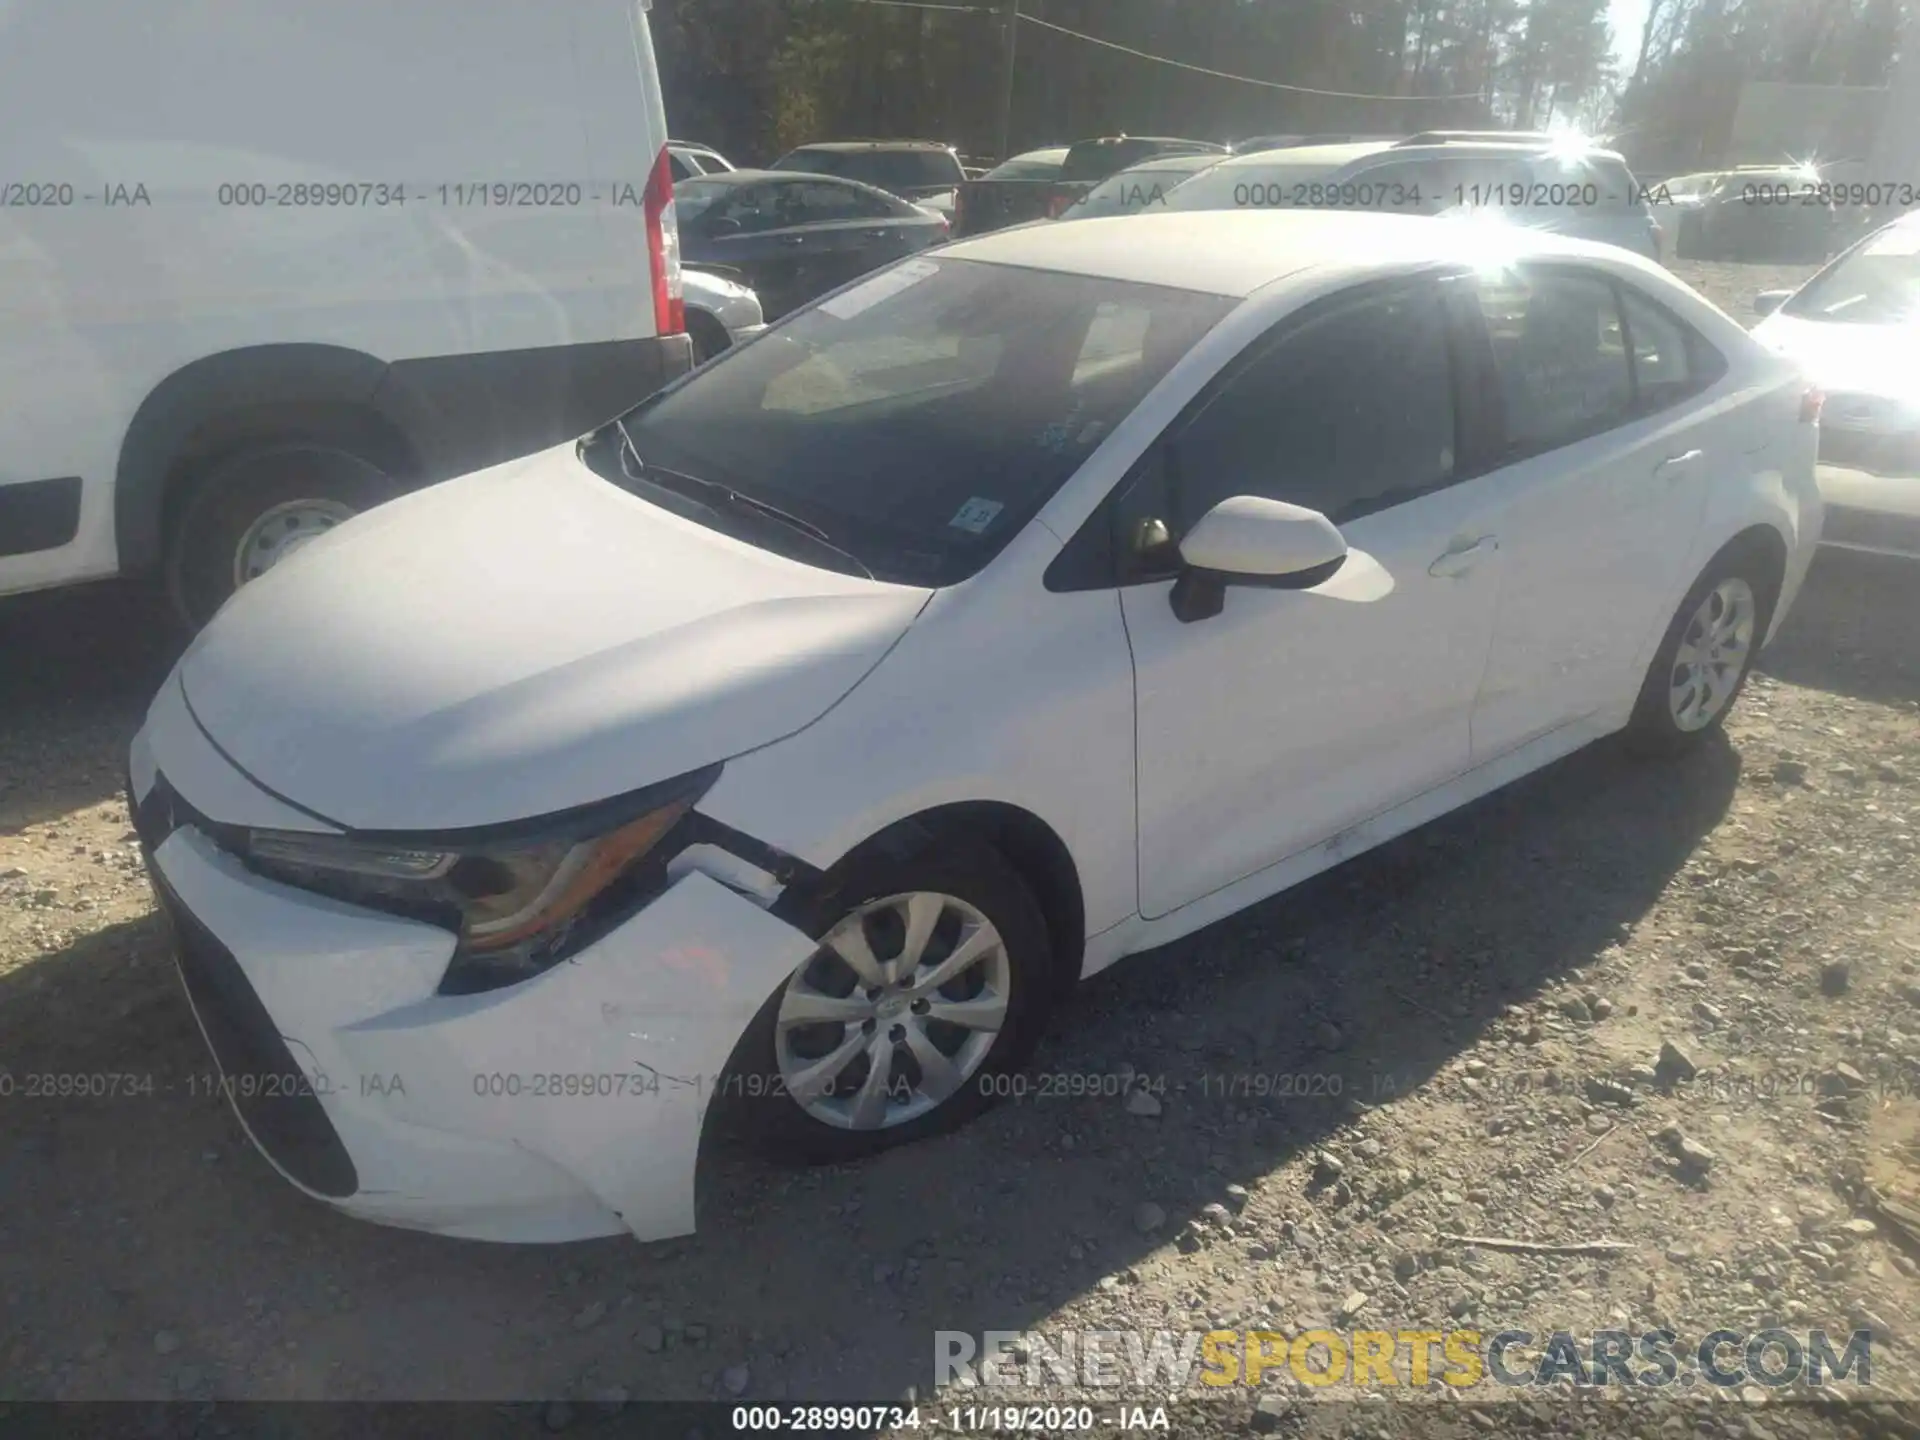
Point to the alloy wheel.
(1712, 655)
(895, 1011)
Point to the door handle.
(1462, 558)
(1674, 464)
(793, 240)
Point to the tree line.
(756, 77)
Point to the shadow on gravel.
(77, 668)
(1855, 629)
(826, 1283)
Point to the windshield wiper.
(707, 491)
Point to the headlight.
(517, 896)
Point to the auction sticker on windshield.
(976, 515)
(864, 297)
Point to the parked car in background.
(808, 734)
(235, 309)
(1029, 165)
(923, 171)
(792, 235)
(721, 312)
(1784, 214)
(1559, 186)
(1852, 329)
(1139, 187)
(689, 160)
(994, 204)
(1293, 141)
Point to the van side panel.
(408, 183)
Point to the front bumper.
(565, 1107)
(1877, 514)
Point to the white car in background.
(1855, 329)
(720, 312)
(802, 737)
(1562, 185)
(1138, 188)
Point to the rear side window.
(1670, 359)
(1560, 356)
(804, 202)
(1350, 413)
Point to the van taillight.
(663, 248)
(1810, 404)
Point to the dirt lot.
(1495, 992)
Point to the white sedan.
(1855, 329)
(798, 740)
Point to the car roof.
(1175, 160)
(779, 177)
(846, 146)
(1236, 252)
(1331, 156)
(1048, 152)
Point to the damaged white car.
(797, 740)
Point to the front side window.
(814, 202)
(1559, 355)
(1348, 413)
(752, 208)
(919, 419)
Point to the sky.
(1626, 17)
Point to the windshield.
(1143, 188)
(1040, 165)
(888, 169)
(1877, 284)
(919, 419)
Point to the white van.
(264, 263)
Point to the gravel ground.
(1491, 997)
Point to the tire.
(1664, 722)
(760, 1094)
(311, 486)
(709, 336)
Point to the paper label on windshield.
(850, 303)
(976, 515)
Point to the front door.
(1292, 715)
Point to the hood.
(1848, 359)
(521, 641)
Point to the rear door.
(1605, 487)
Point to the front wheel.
(929, 985)
(1704, 660)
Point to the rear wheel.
(929, 985)
(1705, 658)
(252, 510)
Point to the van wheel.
(253, 510)
(929, 987)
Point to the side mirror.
(1768, 301)
(1247, 540)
